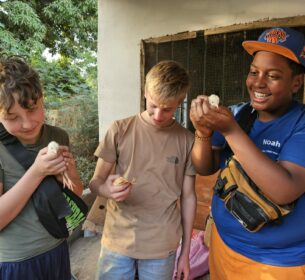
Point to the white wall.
(123, 23)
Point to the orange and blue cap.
(284, 41)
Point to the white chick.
(53, 148)
(214, 100)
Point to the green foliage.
(85, 167)
(67, 27)
(79, 117)
(10, 44)
(84, 137)
(74, 25)
(21, 29)
(84, 134)
(60, 80)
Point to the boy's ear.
(298, 81)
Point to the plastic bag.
(199, 256)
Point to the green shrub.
(79, 117)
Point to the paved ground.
(84, 254)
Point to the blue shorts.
(115, 266)
(52, 265)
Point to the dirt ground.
(84, 253)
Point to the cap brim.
(253, 46)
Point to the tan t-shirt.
(148, 223)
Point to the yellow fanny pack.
(245, 201)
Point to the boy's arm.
(282, 181)
(204, 158)
(188, 203)
(13, 201)
(101, 183)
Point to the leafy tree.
(61, 81)
(72, 25)
(67, 27)
(21, 30)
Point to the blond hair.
(167, 80)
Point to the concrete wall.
(124, 23)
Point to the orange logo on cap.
(275, 36)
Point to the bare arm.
(101, 183)
(188, 211)
(283, 181)
(13, 201)
(205, 159)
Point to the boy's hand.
(183, 268)
(199, 108)
(70, 176)
(207, 118)
(116, 192)
(221, 120)
(48, 164)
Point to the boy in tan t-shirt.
(151, 151)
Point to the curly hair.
(18, 78)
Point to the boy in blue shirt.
(272, 154)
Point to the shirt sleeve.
(189, 168)
(1, 174)
(107, 148)
(294, 148)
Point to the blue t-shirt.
(283, 244)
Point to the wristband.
(202, 138)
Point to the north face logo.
(173, 159)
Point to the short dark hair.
(296, 68)
(18, 77)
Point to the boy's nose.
(157, 114)
(260, 81)
(26, 123)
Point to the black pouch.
(59, 210)
(246, 211)
(78, 207)
(51, 207)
